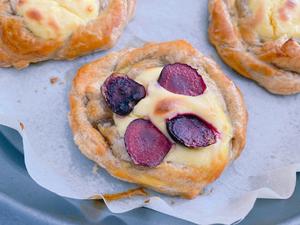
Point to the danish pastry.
(259, 39)
(162, 116)
(37, 30)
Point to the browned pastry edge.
(168, 177)
(19, 47)
(127, 194)
(224, 34)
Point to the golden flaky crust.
(19, 47)
(87, 111)
(272, 64)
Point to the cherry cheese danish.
(162, 116)
(37, 30)
(260, 40)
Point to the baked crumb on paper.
(22, 126)
(54, 80)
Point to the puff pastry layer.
(33, 31)
(98, 132)
(259, 39)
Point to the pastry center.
(276, 18)
(52, 19)
(161, 104)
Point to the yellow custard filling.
(276, 18)
(160, 104)
(52, 19)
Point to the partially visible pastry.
(162, 116)
(260, 40)
(38, 30)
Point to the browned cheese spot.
(34, 15)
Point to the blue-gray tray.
(23, 202)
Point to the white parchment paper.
(266, 169)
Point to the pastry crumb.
(147, 201)
(22, 126)
(95, 169)
(207, 191)
(53, 80)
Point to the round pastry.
(260, 40)
(37, 30)
(162, 116)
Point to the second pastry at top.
(260, 40)
(56, 19)
(37, 30)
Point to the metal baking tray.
(23, 202)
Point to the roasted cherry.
(122, 93)
(181, 79)
(145, 144)
(191, 131)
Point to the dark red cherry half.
(122, 93)
(145, 144)
(181, 79)
(191, 131)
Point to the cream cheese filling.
(276, 18)
(56, 19)
(160, 104)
